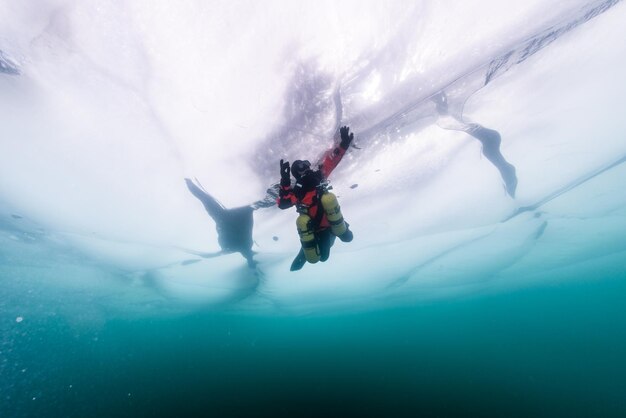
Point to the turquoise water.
(556, 350)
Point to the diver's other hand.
(346, 137)
(285, 179)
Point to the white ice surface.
(117, 102)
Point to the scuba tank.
(333, 213)
(306, 231)
(306, 225)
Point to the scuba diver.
(234, 226)
(320, 219)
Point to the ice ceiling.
(106, 107)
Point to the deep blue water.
(551, 350)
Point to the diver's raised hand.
(346, 137)
(285, 179)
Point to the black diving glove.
(346, 137)
(285, 179)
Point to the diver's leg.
(299, 261)
(346, 236)
(325, 240)
(212, 206)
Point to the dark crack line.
(567, 188)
